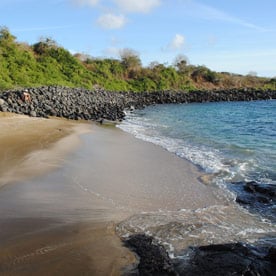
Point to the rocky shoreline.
(214, 259)
(98, 104)
(257, 197)
(77, 103)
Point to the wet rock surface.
(154, 259)
(97, 104)
(256, 197)
(228, 259)
(220, 259)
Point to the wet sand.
(32, 146)
(61, 221)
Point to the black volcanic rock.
(211, 260)
(75, 103)
(154, 259)
(256, 197)
(229, 259)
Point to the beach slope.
(61, 221)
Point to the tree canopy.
(47, 63)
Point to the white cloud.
(177, 43)
(143, 6)
(86, 2)
(111, 21)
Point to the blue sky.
(237, 36)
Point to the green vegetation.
(46, 63)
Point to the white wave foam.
(208, 159)
(177, 230)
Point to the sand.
(61, 220)
(32, 146)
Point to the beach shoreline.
(35, 229)
(39, 217)
(32, 148)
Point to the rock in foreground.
(257, 197)
(229, 259)
(154, 259)
(218, 260)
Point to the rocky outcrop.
(228, 259)
(257, 197)
(153, 258)
(210, 260)
(78, 103)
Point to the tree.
(44, 45)
(130, 60)
(203, 73)
(5, 35)
(180, 63)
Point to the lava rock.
(73, 103)
(154, 259)
(256, 197)
(254, 193)
(228, 259)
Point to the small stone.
(33, 113)
(2, 102)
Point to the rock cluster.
(70, 103)
(154, 259)
(214, 259)
(78, 103)
(228, 259)
(257, 197)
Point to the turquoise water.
(235, 140)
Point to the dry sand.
(61, 221)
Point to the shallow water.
(113, 176)
(177, 230)
(235, 139)
(232, 141)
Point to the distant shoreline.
(100, 105)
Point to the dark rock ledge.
(256, 197)
(153, 258)
(212, 260)
(98, 104)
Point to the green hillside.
(47, 63)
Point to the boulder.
(154, 259)
(215, 259)
(228, 259)
(256, 197)
(33, 113)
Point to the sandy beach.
(32, 146)
(65, 185)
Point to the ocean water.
(236, 140)
(233, 141)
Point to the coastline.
(58, 217)
(71, 218)
(100, 104)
